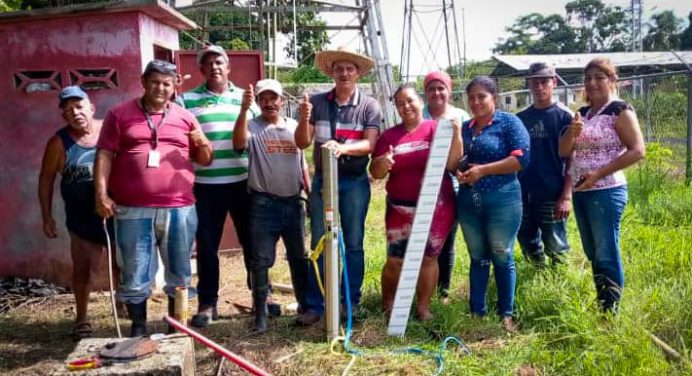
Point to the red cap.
(438, 76)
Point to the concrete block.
(174, 357)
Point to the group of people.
(168, 168)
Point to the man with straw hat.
(346, 122)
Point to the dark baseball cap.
(540, 70)
(71, 92)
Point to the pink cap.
(438, 76)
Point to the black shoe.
(260, 291)
(171, 313)
(138, 315)
(261, 316)
(204, 317)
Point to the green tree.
(600, 27)
(538, 34)
(686, 36)
(227, 28)
(663, 33)
(308, 73)
(310, 40)
(10, 5)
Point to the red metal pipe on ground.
(241, 362)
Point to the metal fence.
(663, 103)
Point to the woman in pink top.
(402, 152)
(603, 139)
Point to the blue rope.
(438, 356)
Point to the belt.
(275, 197)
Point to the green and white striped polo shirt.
(217, 114)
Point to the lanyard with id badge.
(154, 157)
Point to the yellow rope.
(313, 257)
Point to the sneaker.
(308, 318)
(204, 317)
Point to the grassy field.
(561, 331)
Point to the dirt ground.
(37, 336)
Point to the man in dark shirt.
(546, 188)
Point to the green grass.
(562, 331)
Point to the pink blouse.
(599, 144)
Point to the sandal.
(82, 330)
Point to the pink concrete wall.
(154, 33)
(27, 120)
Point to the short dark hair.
(485, 82)
(161, 67)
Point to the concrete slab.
(174, 357)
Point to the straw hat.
(324, 60)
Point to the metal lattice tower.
(430, 47)
(636, 10)
(376, 47)
(369, 27)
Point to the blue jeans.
(214, 203)
(598, 214)
(489, 222)
(139, 232)
(540, 233)
(354, 199)
(272, 218)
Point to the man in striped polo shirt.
(221, 187)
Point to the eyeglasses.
(161, 66)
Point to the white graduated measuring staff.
(427, 199)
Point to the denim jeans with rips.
(354, 199)
(490, 221)
(140, 233)
(599, 214)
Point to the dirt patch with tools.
(35, 334)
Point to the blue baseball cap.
(71, 92)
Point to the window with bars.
(94, 79)
(31, 81)
(38, 80)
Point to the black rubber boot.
(138, 315)
(260, 290)
(171, 313)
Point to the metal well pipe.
(330, 198)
